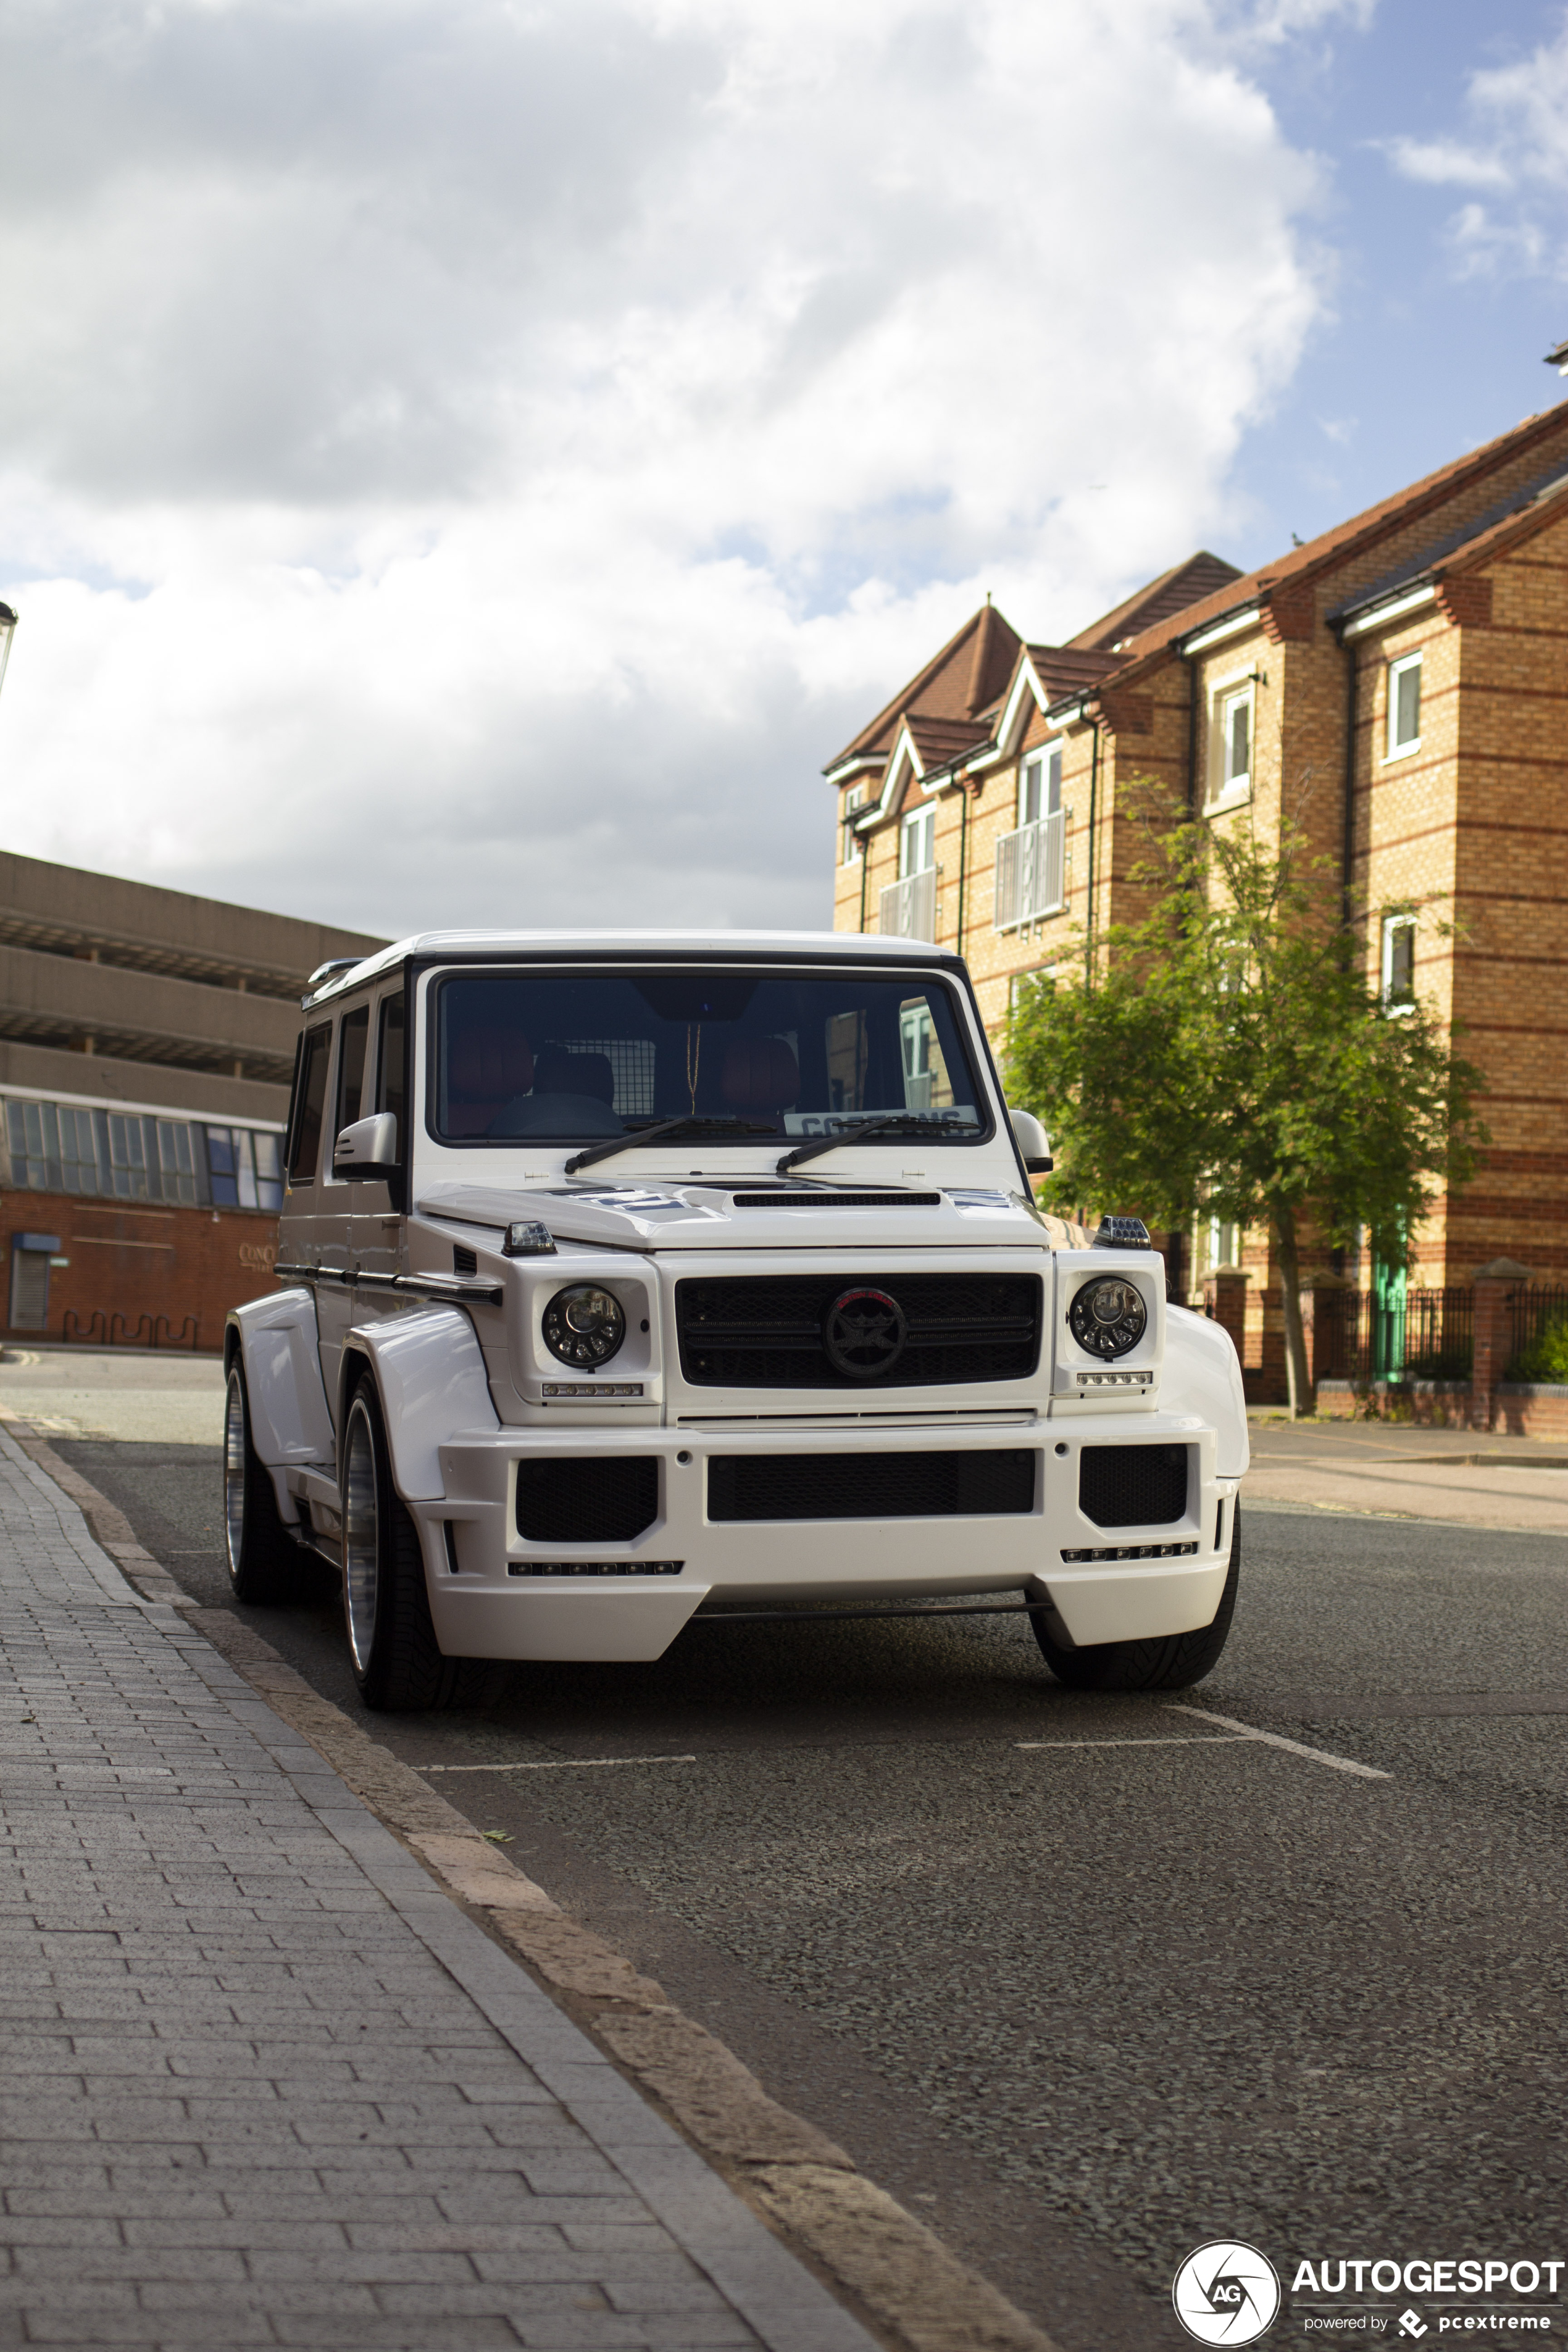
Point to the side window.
(389, 1063)
(1399, 962)
(350, 1068)
(1405, 706)
(310, 1103)
(1233, 769)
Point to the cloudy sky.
(475, 461)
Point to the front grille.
(587, 1498)
(1133, 1486)
(766, 1331)
(986, 1484)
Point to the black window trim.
(951, 970)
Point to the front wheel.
(1168, 1661)
(396, 1659)
(264, 1560)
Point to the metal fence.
(1538, 1310)
(1427, 1335)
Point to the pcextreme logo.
(1226, 2292)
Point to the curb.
(893, 2271)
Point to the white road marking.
(1185, 1739)
(566, 1764)
(1291, 1747)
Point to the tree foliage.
(1230, 1053)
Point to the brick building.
(146, 1048)
(1399, 685)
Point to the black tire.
(396, 1659)
(265, 1562)
(1168, 1661)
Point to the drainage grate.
(587, 1498)
(871, 1486)
(1133, 1486)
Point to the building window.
(133, 1156)
(1404, 705)
(1040, 786)
(1399, 963)
(917, 842)
(1231, 765)
(854, 800)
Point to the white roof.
(838, 944)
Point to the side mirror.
(368, 1150)
(1034, 1144)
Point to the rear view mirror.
(368, 1150)
(1033, 1142)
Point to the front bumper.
(490, 1599)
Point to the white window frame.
(1225, 696)
(920, 826)
(1392, 924)
(1397, 670)
(854, 802)
(1044, 768)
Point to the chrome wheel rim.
(233, 1472)
(362, 1549)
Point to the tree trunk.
(1302, 1400)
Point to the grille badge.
(864, 1333)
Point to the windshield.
(568, 1057)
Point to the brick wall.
(134, 1262)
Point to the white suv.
(626, 1278)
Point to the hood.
(748, 1213)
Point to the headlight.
(583, 1324)
(1108, 1317)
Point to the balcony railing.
(906, 909)
(1031, 872)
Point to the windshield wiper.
(723, 1127)
(909, 1122)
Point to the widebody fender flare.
(430, 1370)
(277, 1342)
(1201, 1375)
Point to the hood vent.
(838, 1200)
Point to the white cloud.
(470, 460)
(1517, 152)
(1444, 162)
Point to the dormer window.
(854, 801)
(917, 842)
(1040, 786)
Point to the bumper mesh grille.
(587, 1498)
(871, 1486)
(766, 1331)
(1133, 1486)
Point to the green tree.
(1227, 1053)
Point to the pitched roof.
(1065, 669)
(959, 683)
(1549, 430)
(1201, 575)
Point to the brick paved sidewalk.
(263, 2081)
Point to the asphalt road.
(1089, 2003)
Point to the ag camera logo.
(1226, 2292)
